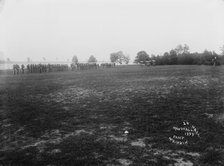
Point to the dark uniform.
(17, 68)
(28, 68)
(22, 67)
(14, 69)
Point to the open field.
(133, 115)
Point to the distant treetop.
(75, 59)
(92, 59)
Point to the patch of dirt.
(125, 162)
(181, 162)
(118, 139)
(139, 143)
(82, 131)
(219, 118)
(198, 81)
(178, 156)
(107, 127)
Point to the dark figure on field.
(14, 69)
(73, 66)
(28, 68)
(45, 68)
(48, 67)
(17, 68)
(107, 65)
(22, 67)
(32, 68)
(214, 61)
(40, 68)
(153, 62)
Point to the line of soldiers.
(43, 68)
(87, 66)
(39, 68)
(90, 66)
(36, 68)
(16, 69)
(84, 66)
(107, 65)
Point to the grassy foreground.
(128, 115)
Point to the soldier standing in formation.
(214, 61)
(16, 69)
(107, 65)
(22, 67)
(43, 68)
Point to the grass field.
(130, 115)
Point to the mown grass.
(39, 121)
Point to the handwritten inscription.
(184, 134)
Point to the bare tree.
(119, 57)
(186, 49)
(182, 49)
(75, 59)
(126, 59)
(179, 49)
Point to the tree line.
(115, 57)
(177, 56)
(182, 56)
(91, 59)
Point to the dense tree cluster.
(181, 56)
(205, 58)
(142, 57)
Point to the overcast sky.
(63, 28)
